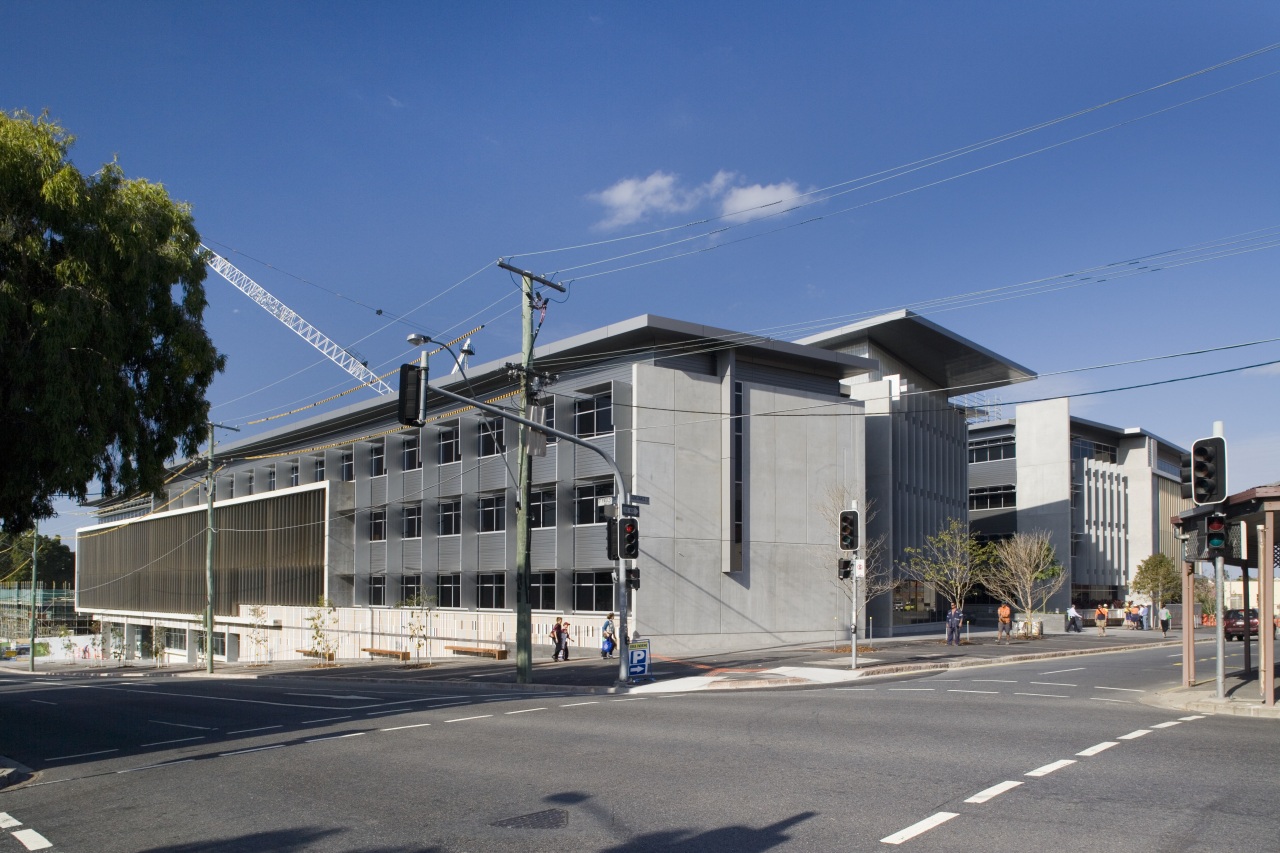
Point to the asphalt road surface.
(1048, 755)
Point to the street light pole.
(208, 556)
(35, 547)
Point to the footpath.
(780, 666)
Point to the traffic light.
(1209, 471)
(412, 402)
(1185, 476)
(611, 538)
(629, 540)
(844, 569)
(849, 530)
(1215, 534)
(633, 578)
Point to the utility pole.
(35, 546)
(208, 555)
(524, 485)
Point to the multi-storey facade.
(1104, 494)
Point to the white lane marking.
(32, 840)
(1098, 747)
(576, 704)
(389, 711)
(1135, 735)
(412, 726)
(1167, 725)
(837, 688)
(632, 699)
(993, 791)
(908, 689)
(325, 720)
(42, 702)
(917, 828)
(181, 725)
(1051, 683)
(311, 707)
(258, 729)
(334, 737)
(1044, 695)
(1056, 671)
(525, 711)
(989, 692)
(252, 749)
(335, 696)
(995, 680)
(448, 705)
(464, 719)
(1123, 689)
(1050, 768)
(1189, 719)
(8, 821)
(178, 740)
(154, 766)
(1104, 699)
(81, 755)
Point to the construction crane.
(309, 333)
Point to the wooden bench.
(312, 653)
(390, 653)
(496, 654)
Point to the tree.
(55, 562)
(879, 578)
(1024, 570)
(1206, 594)
(101, 303)
(951, 561)
(1158, 577)
(420, 623)
(258, 632)
(322, 619)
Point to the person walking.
(1004, 624)
(1074, 622)
(558, 639)
(608, 638)
(1100, 619)
(954, 620)
(1165, 618)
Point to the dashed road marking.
(1056, 671)
(324, 720)
(32, 840)
(1098, 747)
(993, 791)
(81, 755)
(464, 719)
(333, 737)
(1169, 724)
(1134, 735)
(1051, 683)
(1192, 717)
(181, 725)
(918, 828)
(411, 726)
(178, 740)
(1123, 689)
(1044, 695)
(577, 704)
(988, 692)
(8, 821)
(1051, 767)
(252, 749)
(525, 711)
(1104, 699)
(910, 689)
(258, 729)
(995, 680)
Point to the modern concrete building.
(1104, 494)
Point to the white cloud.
(395, 102)
(742, 204)
(633, 199)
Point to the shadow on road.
(278, 841)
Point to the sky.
(1068, 184)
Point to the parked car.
(1233, 624)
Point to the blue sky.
(390, 152)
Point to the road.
(1053, 755)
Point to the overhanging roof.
(940, 355)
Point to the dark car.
(1233, 624)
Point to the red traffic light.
(1216, 532)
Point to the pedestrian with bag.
(1100, 619)
(608, 638)
(1165, 619)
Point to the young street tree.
(1158, 577)
(952, 561)
(1024, 571)
(101, 304)
(879, 579)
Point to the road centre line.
(1044, 695)
(1051, 683)
(915, 829)
(1135, 734)
(411, 726)
(525, 711)
(1051, 767)
(1098, 747)
(258, 729)
(32, 840)
(993, 791)
(181, 725)
(1056, 671)
(1168, 724)
(464, 719)
(1123, 689)
(576, 704)
(988, 692)
(81, 755)
(179, 740)
(325, 720)
(252, 749)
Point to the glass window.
(594, 416)
(411, 453)
(377, 525)
(319, 468)
(542, 508)
(349, 466)
(450, 446)
(992, 449)
(294, 476)
(491, 590)
(449, 590)
(271, 479)
(449, 518)
(491, 436)
(412, 522)
(175, 638)
(411, 590)
(993, 497)
(549, 418)
(542, 590)
(593, 591)
(493, 513)
(378, 459)
(585, 510)
(378, 591)
(249, 484)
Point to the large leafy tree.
(952, 561)
(55, 562)
(106, 360)
(1158, 577)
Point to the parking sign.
(637, 658)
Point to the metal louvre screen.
(268, 551)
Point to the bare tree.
(1024, 570)
(322, 619)
(420, 623)
(879, 575)
(952, 561)
(258, 632)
